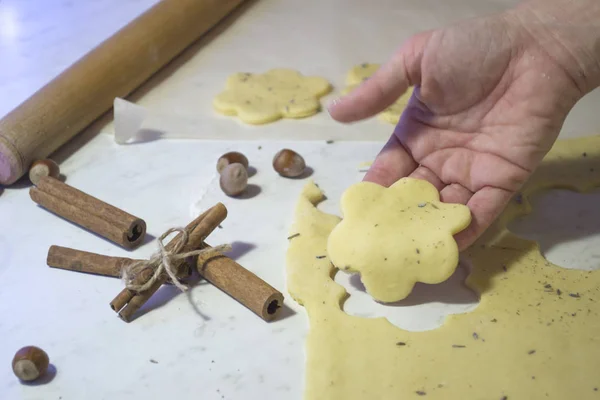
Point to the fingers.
(485, 207)
(374, 95)
(476, 170)
(384, 87)
(422, 172)
(455, 193)
(392, 163)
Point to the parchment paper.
(324, 38)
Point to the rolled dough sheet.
(278, 93)
(534, 334)
(360, 73)
(397, 236)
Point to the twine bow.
(162, 261)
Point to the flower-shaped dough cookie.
(361, 73)
(397, 236)
(278, 93)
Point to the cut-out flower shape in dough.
(361, 73)
(278, 93)
(397, 236)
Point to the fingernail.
(333, 103)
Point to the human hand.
(489, 102)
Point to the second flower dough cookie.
(397, 236)
(278, 93)
(362, 72)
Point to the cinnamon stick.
(126, 294)
(213, 218)
(89, 212)
(91, 263)
(82, 261)
(241, 284)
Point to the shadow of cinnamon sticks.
(148, 239)
(239, 249)
(162, 296)
(285, 312)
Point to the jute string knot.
(162, 262)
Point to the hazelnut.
(234, 179)
(42, 168)
(29, 363)
(232, 157)
(288, 163)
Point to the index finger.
(375, 94)
(392, 163)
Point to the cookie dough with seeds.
(534, 334)
(278, 93)
(397, 236)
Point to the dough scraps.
(361, 73)
(534, 334)
(397, 236)
(278, 93)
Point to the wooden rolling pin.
(87, 89)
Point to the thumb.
(385, 86)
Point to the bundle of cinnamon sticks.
(127, 302)
(128, 231)
(220, 270)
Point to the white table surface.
(205, 344)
